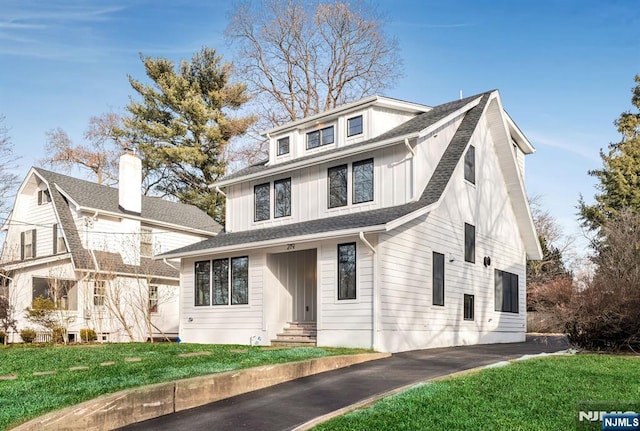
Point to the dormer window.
(283, 146)
(354, 126)
(44, 197)
(320, 137)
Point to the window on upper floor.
(354, 126)
(28, 244)
(506, 291)
(438, 279)
(282, 198)
(470, 165)
(347, 271)
(337, 179)
(320, 137)
(59, 245)
(146, 242)
(283, 146)
(44, 197)
(262, 199)
(469, 243)
(363, 181)
(153, 299)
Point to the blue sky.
(564, 68)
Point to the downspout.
(170, 264)
(413, 170)
(220, 191)
(375, 324)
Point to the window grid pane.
(354, 126)
(337, 186)
(221, 282)
(363, 181)
(469, 307)
(470, 165)
(313, 139)
(469, 243)
(239, 280)
(327, 136)
(262, 201)
(282, 190)
(283, 146)
(347, 271)
(203, 283)
(438, 278)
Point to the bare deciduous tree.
(8, 180)
(300, 58)
(99, 154)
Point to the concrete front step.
(293, 343)
(302, 324)
(299, 331)
(295, 338)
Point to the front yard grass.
(537, 394)
(79, 375)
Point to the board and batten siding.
(309, 190)
(226, 324)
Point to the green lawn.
(29, 396)
(538, 394)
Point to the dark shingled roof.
(431, 194)
(414, 125)
(100, 197)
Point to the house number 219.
(291, 246)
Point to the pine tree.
(182, 126)
(619, 179)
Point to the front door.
(302, 284)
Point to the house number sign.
(291, 246)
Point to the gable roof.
(408, 128)
(91, 196)
(373, 220)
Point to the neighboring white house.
(89, 248)
(379, 224)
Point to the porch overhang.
(275, 242)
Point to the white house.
(89, 248)
(379, 224)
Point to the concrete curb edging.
(148, 402)
(375, 398)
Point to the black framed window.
(438, 278)
(469, 307)
(320, 137)
(347, 271)
(239, 280)
(262, 198)
(506, 291)
(221, 282)
(283, 146)
(354, 126)
(337, 177)
(469, 243)
(202, 283)
(363, 181)
(282, 200)
(470, 165)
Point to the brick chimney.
(130, 179)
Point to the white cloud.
(584, 146)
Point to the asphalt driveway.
(284, 406)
